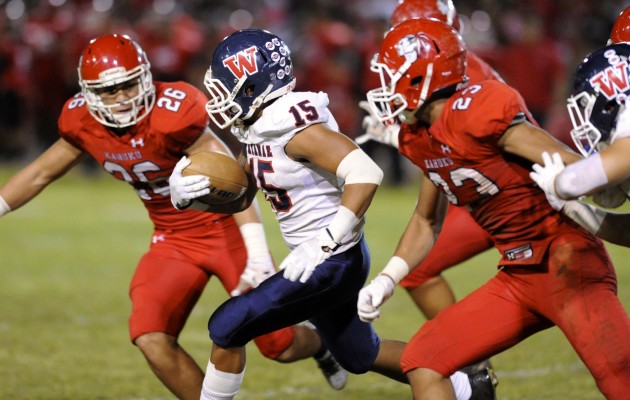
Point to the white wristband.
(4, 206)
(254, 237)
(581, 177)
(342, 224)
(396, 268)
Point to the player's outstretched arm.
(413, 246)
(260, 264)
(32, 179)
(359, 177)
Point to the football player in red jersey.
(137, 129)
(476, 145)
(461, 237)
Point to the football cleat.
(483, 384)
(335, 374)
(474, 368)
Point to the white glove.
(257, 270)
(184, 189)
(376, 130)
(303, 260)
(372, 297)
(555, 202)
(545, 176)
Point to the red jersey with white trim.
(460, 154)
(145, 154)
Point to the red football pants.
(171, 276)
(573, 288)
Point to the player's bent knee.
(355, 366)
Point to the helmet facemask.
(584, 134)
(388, 103)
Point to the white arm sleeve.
(358, 167)
(581, 177)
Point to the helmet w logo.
(612, 81)
(242, 63)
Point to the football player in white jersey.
(601, 131)
(319, 183)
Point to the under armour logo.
(445, 149)
(137, 143)
(157, 238)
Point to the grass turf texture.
(66, 260)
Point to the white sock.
(219, 385)
(461, 384)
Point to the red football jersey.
(145, 154)
(460, 155)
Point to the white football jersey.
(304, 197)
(622, 129)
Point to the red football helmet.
(444, 10)
(419, 60)
(115, 62)
(621, 29)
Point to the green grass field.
(65, 263)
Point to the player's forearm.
(358, 197)
(413, 247)
(21, 188)
(249, 215)
(614, 228)
(609, 226)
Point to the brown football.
(228, 180)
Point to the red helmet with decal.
(444, 10)
(115, 62)
(419, 60)
(621, 29)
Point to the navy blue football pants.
(328, 299)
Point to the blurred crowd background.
(534, 44)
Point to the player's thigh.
(278, 302)
(583, 303)
(482, 324)
(225, 253)
(164, 289)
